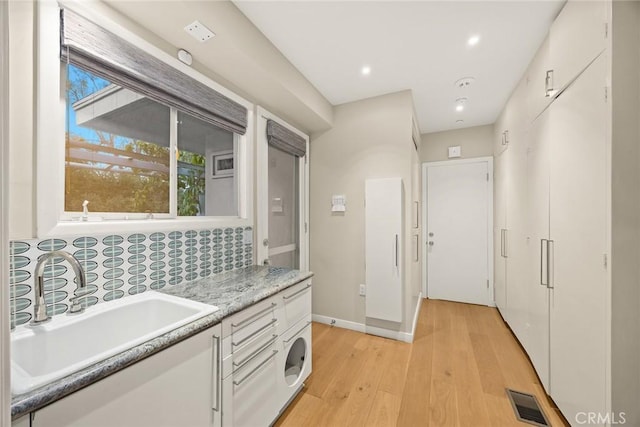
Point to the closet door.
(499, 235)
(578, 230)
(536, 333)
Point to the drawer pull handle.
(256, 353)
(256, 332)
(248, 319)
(297, 292)
(254, 370)
(296, 334)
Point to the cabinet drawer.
(296, 303)
(250, 397)
(241, 327)
(238, 356)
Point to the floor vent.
(526, 408)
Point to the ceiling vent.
(199, 31)
(464, 82)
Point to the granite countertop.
(230, 292)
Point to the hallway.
(453, 374)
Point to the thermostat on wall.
(455, 151)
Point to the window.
(118, 155)
(133, 132)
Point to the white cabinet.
(578, 230)
(266, 357)
(577, 36)
(536, 80)
(499, 234)
(178, 386)
(567, 231)
(384, 243)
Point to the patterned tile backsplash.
(120, 265)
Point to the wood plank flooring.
(453, 374)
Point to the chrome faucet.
(40, 307)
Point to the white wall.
(369, 139)
(625, 244)
(21, 119)
(475, 141)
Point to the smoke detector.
(199, 31)
(464, 82)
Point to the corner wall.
(475, 141)
(369, 139)
(625, 238)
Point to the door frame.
(262, 190)
(5, 342)
(425, 168)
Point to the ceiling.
(417, 45)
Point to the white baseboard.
(382, 332)
(346, 324)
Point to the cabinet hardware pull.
(254, 333)
(254, 370)
(502, 242)
(506, 243)
(396, 251)
(216, 369)
(296, 334)
(550, 266)
(248, 319)
(543, 258)
(297, 292)
(255, 353)
(548, 84)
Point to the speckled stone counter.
(230, 292)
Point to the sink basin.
(66, 344)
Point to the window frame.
(51, 218)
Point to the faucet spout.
(40, 306)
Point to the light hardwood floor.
(453, 374)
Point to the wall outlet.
(363, 290)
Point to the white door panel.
(578, 228)
(533, 328)
(458, 232)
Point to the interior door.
(282, 197)
(458, 231)
(531, 322)
(578, 228)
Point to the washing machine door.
(296, 360)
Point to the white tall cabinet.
(384, 242)
(557, 193)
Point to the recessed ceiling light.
(459, 122)
(473, 40)
(366, 70)
(460, 103)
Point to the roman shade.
(107, 55)
(286, 140)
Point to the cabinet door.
(383, 248)
(536, 98)
(579, 230)
(171, 388)
(500, 225)
(534, 324)
(577, 37)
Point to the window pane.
(117, 148)
(206, 169)
(284, 209)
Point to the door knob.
(265, 242)
(430, 242)
(430, 234)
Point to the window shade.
(286, 140)
(90, 46)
